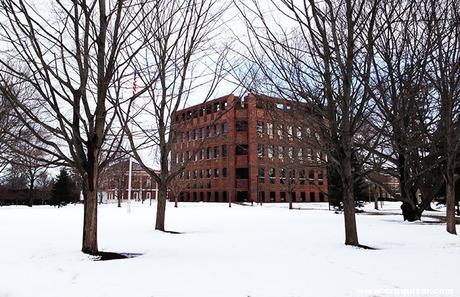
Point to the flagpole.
(130, 169)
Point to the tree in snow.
(73, 58)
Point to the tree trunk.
(376, 200)
(31, 196)
(89, 245)
(450, 203)
(351, 233)
(161, 208)
(290, 200)
(175, 201)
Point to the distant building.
(114, 184)
(235, 148)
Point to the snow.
(240, 251)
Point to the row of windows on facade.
(200, 111)
(204, 153)
(242, 150)
(135, 195)
(203, 132)
(223, 196)
(243, 173)
(290, 152)
(282, 131)
(210, 108)
(241, 126)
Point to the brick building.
(238, 149)
(115, 183)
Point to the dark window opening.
(242, 196)
(283, 196)
(302, 197)
(242, 173)
(241, 150)
(242, 126)
(321, 197)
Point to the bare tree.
(401, 94)
(176, 61)
(324, 60)
(444, 74)
(73, 61)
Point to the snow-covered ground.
(258, 251)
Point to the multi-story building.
(246, 149)
(115, 183)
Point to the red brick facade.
(234, 153)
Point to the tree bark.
(376, 200)
(351, 233)
(450, 202)
(89, 245)
(161, 208)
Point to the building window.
(224, 151)
(260, 128)
(216, 152)
(242, 126)
(193, 134)
(270, 130)
(283, 196)
(292, 176)
(289, 132)
(300, 154)
(311, 177)
(320, 178)
(241, 150)
(279, 131)
(291, 152)
(209, 131)
(208, 153)
(202, 154)
(280, 106)
(208, 173)
(272, 197)
(309, 154)
(260, 151)
(271, 151)
(242, 173)
(216, 172)
(302, 197)
(224, 196)
(302, 177)
(299, 133)
(271, 175)
(217, 129)
(261, 175)
(224, 172)
(280, 152)
(224, 128)
(312, 196)
(321, 197)
(282, 176)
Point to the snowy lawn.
(258, 251)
